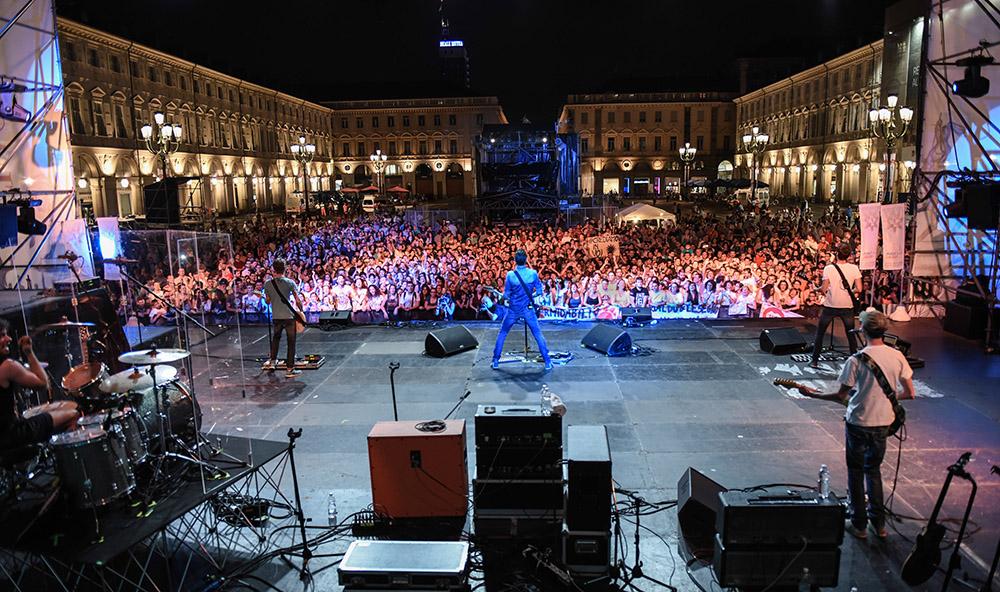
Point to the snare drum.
(124, 426)
(92, 467)
(83, 382)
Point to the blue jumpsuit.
(520, 308)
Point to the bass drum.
(183, 412)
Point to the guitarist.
(519, 289)
(868, 417)
(278, 292)
(841, 281)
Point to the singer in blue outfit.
(520, 287)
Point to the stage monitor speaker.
(334, 318)
(608, 339)
(449, 341)
(781, 341)
(965, 320)
(638, 314)
(698, 504)
(982, 203)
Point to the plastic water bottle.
(805, 584)
(824, 482)
(331, 510)
(546, 400)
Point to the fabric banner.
(869, 215)
(109, 241)
(603, 245)
(773, 312)
(893, 236)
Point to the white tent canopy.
(640, 212)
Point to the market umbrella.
(369, 188)
(398, 189)
(349, 190)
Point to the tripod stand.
(306, 553)
(635, 572)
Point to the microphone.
(68, 256)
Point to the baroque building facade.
(236, 138)
(430, 142)
(821, 144)
(629, 142)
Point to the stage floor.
(703, 398)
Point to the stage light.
(973, 84)
(26, 223)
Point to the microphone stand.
(988, 585)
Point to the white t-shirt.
(868, 406)
(836, 296)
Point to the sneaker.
(495, 364)
(881, 533)
(292, 373)
(548, 366)
(814, 365)
(854, 531)
(270, 366)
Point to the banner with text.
(603, 245)
(893, 236)
(869, 215)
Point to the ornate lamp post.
(687, 156)
(378, 163)
(890, 124)
(755, 142)
(162, 141)
(304, 153)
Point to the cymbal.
(137, 379)
(151, 357)
(63, 324)
(120, 261)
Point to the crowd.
(381, 268)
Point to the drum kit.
(138, 433)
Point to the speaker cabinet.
(777, 567)
(589, 481)
(329, 319)
(698, 504)
(449, 341)
(982, 203)
(639, 314)
(781, 341)
(608, 340)
(162, 200)
(965, 320)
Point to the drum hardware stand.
(306, 554)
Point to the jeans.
(846, 315)
(288, 326)
(865, 449)
(510, 317)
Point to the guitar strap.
(527, 292)
(295, 313)
(854, 299)
(898, 411)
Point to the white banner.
(109, 241)
(869, 215)
(603, 245)
(893, 236)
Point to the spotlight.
(26, 223)
(973, 84)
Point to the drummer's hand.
(25, 344)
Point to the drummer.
(46, 419)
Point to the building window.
(611, 116)
(70, 52)
(699, 143)
(626, 143)
(611, 144)
(391, 121)
(197, 87)
(673, 142)
(168, 78)
(642, 117)
(232, 96)
(628, 117)
(642, 143)
(361, 148)
(406, 121)
(673, 116)
(657, 143)
(407, 147)
(453, 147)
(584, 145)
(584, 117)
(93, 58)
(700, 115)
(657, 116)
(479, 119)
(437, 120)
(375, 122)
(437, 147)
(345, 149)
(392, 148)
(76, 116)
(153, 77)
(421, 121)
(423, 146)
(452, 119)
(359, 123)
(116, 64)
(183, 81)
(100, 121)
(121, 122)
(343, 123)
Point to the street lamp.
(755, 142)
(378, 163)
(304, 154)
(687, 156)
(164, 140)
(890, 124)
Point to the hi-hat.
(136, 379)
(150, 357)
(61, 325)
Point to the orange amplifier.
(419, 468)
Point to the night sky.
(530, 53)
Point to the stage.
(702, 397)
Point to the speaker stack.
(608, 339)
(586, 532)
(449, 341)
(518, 488)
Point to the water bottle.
(546, 400)
(805, 584)
(824, 482)
(331, 510)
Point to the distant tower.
(451, 53)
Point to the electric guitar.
(923, 560)
(789, 383)
(503, 300)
